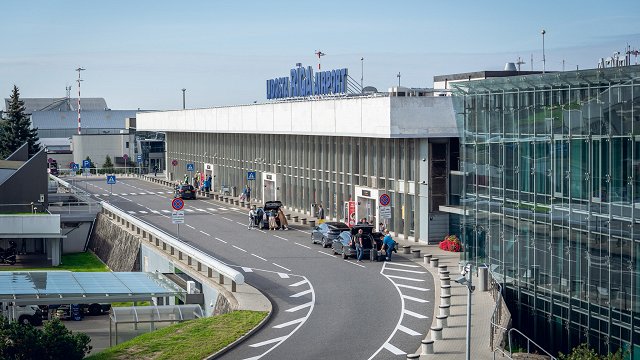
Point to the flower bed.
(451, 243)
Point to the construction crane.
(319, 54)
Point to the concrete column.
(54, 251)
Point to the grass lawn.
(81, 262)
(195, 339)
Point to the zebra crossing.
(188, 210)
(132, 193)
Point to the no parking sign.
(385, 200)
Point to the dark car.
(343, 245)
(326, 232)
(185, 191)
(270, 208)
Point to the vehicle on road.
(343, 244)
(270, 207)
(185, 191)
(52, 167)
(325, 233)
(24, 314)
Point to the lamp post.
(467, 279)
(544, 59)
(183, 99)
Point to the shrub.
(451, 243)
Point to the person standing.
(359, 245)
(248, 193)
(252, 217)
(209, 180)
(388, 245)
(273, 225)
(155, 170)
(186, 178)
(284, 224)
(320, 214)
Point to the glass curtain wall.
(554, 200)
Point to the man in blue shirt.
(389, 244)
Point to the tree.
(108, 165)
(16, 128)
(60, 343)
(583, 352)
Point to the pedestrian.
(320, 214)
(252, 217)
(273, 225)
(196, 180)
(248, 193)
(381, 227)
(243, 196)
(155, 170)
(359, 245)
(186, 178)
(209, 179)
(388, 245)
(284, 224)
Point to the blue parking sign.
(190, 167)
(251, 175)
(86, 164)
(111, 179)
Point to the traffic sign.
(177, 204)
(177, 217)
(139, 158)
(251, 175)
(385, 200)
(190, 167)
(385, 212)
(75, 166)
(174, 162)
(111, 179)
(86, 164)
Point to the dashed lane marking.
(226, 218)
(143, 212)
(155, 211)
(212, 209)
(204, 233)
(221, 240)
(422, 301)
(301, 293)
(239, 248)
(408, 331)
(415, 315)
(190, 226)
(165, 211)
(304, 246)
(299, 283)
(282, 267)
(189, 210)
(326, 253)
(131, 212)
(259, 257)
(280, 237)
(300, 307)
(289, 323)
(354, 263)
(404, 278)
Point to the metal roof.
(109, 119)
(60, 104)
(66, 287)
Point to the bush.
(451, 243)
(583, 352)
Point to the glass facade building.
(550, 191)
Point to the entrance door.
(269, 185)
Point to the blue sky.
(141, 53)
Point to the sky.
(140, 54)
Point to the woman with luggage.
(388, 244)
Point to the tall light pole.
(362, 74)
(544, 59)
(467, 279)
(183, 99)
(398, 76)
(79, 108)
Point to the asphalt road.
(324, 307)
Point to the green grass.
(80, 262)
(130, 303)
(195, 339)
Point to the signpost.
(190, 169)
(111, 179)
(139, 161)
(251, 175)
(385, 207)
(174, 162)
(125, 157)
(177, 216)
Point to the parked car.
(343, 245)
(270, 207)
(185, 191)
(325, 233)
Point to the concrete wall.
(118, 248)
(76, 238)
(383, 117)
(25, 185)
(45, 224)
(97, 147)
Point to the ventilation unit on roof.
(510, 67)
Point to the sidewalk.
(453, 343)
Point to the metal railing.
(501, 327)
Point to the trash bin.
(483, 278)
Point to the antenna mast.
(520, 62)
(320, 54)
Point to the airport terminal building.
(338, 150)
(550, 200)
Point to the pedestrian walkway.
(453, 343)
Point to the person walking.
(388, 245)
(252, 218)
(320, 214)
(284, 224)
(155, 170)
(359, 245)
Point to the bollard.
(445, 290)
(304, 221)
(241, 203)
(445, 281)
(427, 259)
(434, 262)
(416, 253)
(444, 274)
(441, 321)
(442, 268)
(312, 223)
(436, 333)
(445, 310)
(295, 218)
(288, 216)
(413, 356)
(483, 277)
(445, 300)
(427, 347)
(406, 249)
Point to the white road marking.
(150, 193)
(415, 315)
(326, 253)
(292, 322)
(305, 246)
(239, 248)
(283, 275)
(131, 212)
(300, 307)
(301, 293)
(204, 233)
(140, 204)
(415, 299)
(299, 283)
(404, 278)
(280, 266)
(221, 240)
(302, 231)
(282, 338)
(354, 263)
(239, 223)
(202, 210)
(123, 194)
(105, 194)
(143, 212)
(155, 211)
(189, 210)
(393, 349)
(212, 209)
(222, 208)
(133, 194)
(280, 237)
(407, 265)
(162, 192)
(409, 271)
(190, 226)
(412, 287)
(226, 218)
(246, 269)
(408, 331)
(165, 211)
(259, 257)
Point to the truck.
(24, 314)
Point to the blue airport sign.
(190, 167)
(86, 164)
(303, 82)
(251, 175)
(111, 179)
(139, 158)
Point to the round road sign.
(174, 162)
(177, 204)
(385, 200)
(72, 165)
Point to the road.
(324, 307)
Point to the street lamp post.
(544, 59)
(467, 279)
(183, 99)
